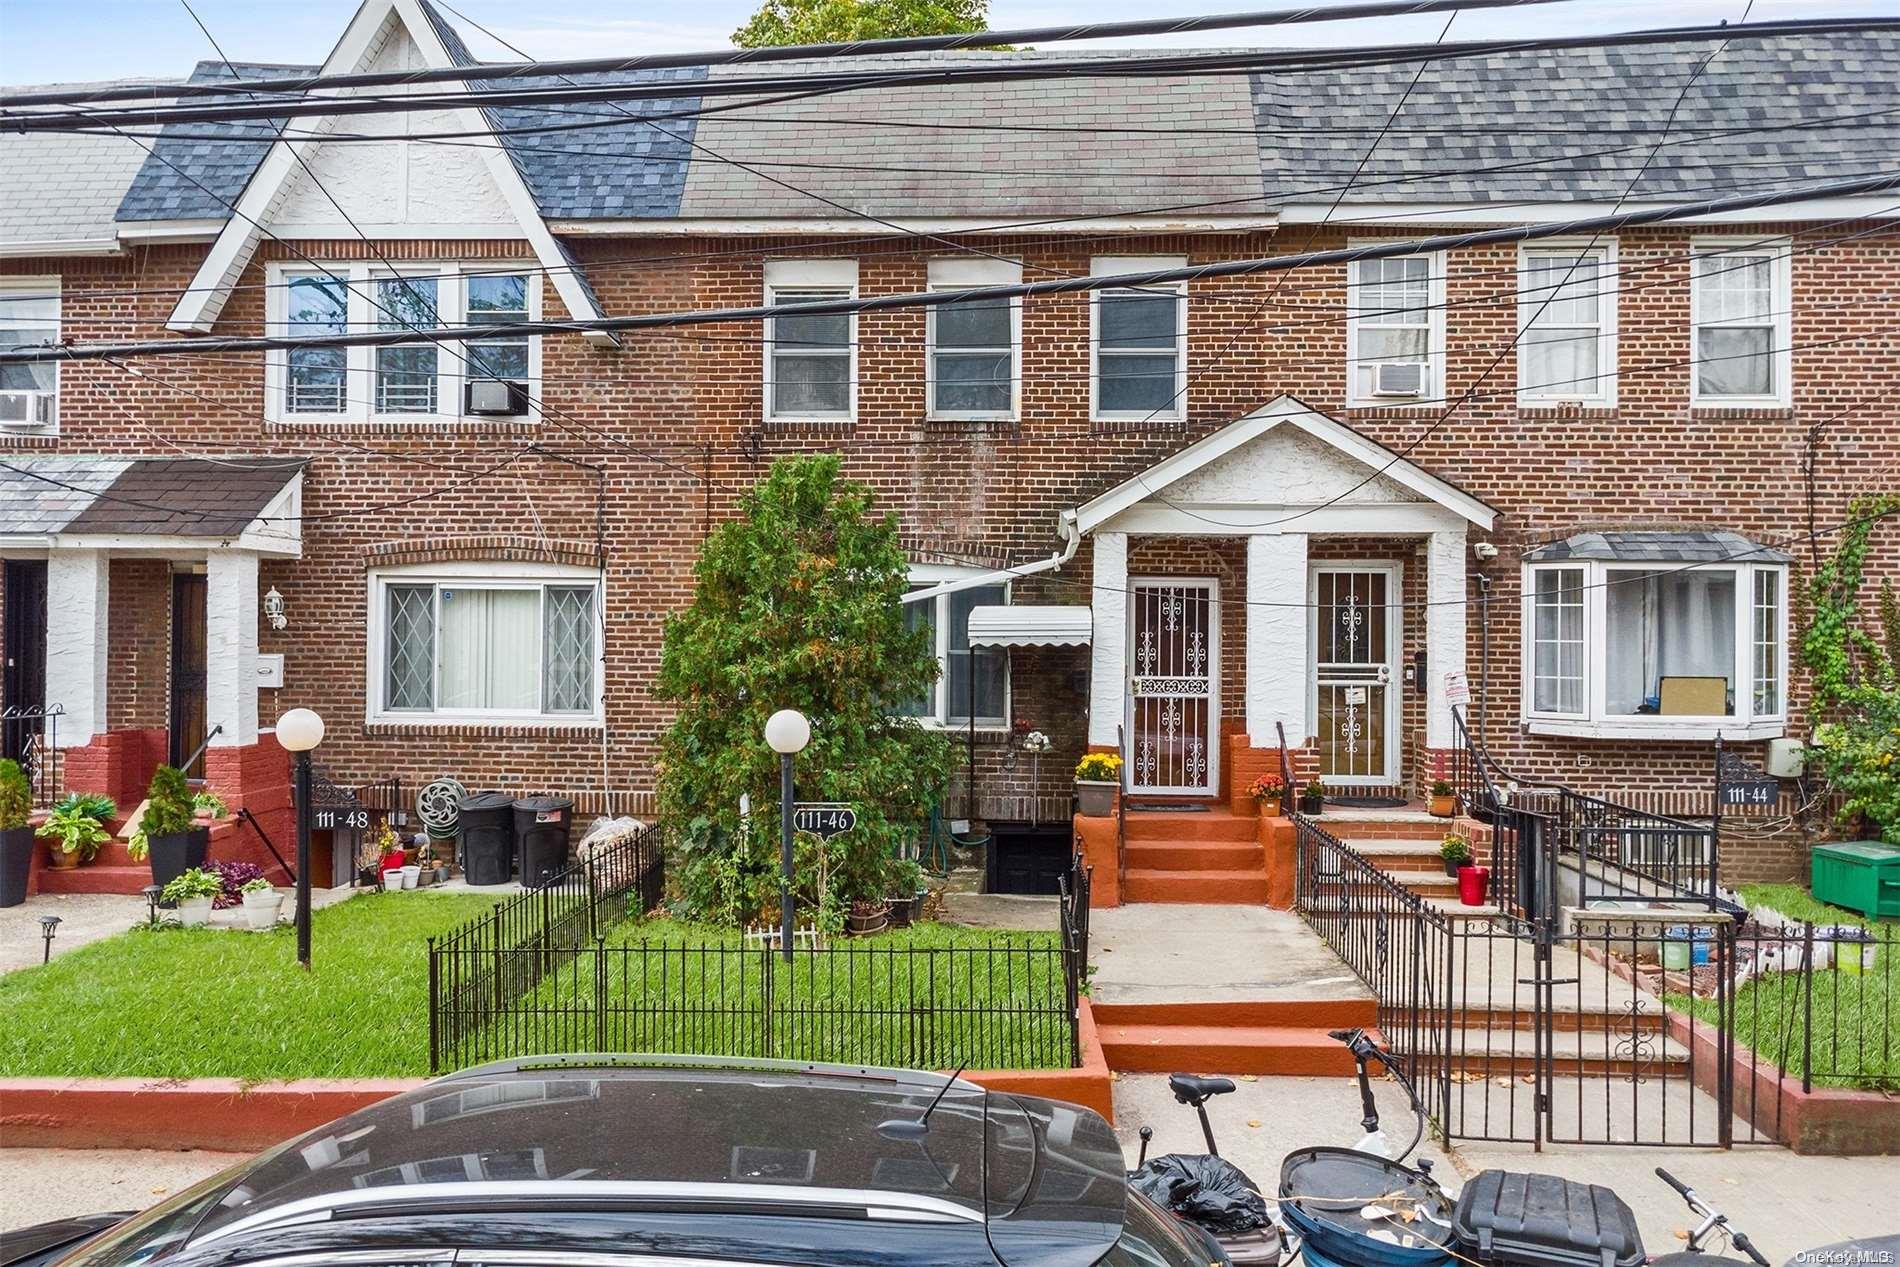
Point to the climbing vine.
(1856, 677)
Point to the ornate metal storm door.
(1355, 643)
(1173, 688)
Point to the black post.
(1715, 822)
(785, 854)
(303, 859)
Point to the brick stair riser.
(1195, 886)
(1223, 1050)
(1155, 856)
(96, 878)
(1185, 828)
(1350, 830)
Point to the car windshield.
(1153, 1238)
(159, 1232)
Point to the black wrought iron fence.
(31, 737)
(539, 976)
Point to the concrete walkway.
(1178, 953)
(83, 918)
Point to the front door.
(23, 683)
(188, 671)
(1355, 639)
(1173, 721)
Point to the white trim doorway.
(1358, 730)
(1171, 713)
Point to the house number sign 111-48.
(347, 819)
(824, 819)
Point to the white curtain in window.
(1666, 624)
(490, 649)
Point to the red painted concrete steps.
(1257, 1037)
(1210, 856)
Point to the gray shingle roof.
(191, 497)
(197, 170)
(1695, 546)
(1580, 123)
(62, 188)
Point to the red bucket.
(1472, 883)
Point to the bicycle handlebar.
(1740, 1241)
(1683, 1189)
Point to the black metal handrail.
(31, 736)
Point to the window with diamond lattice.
(567, 647)
(412, 646)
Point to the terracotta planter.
(1269, 806)
(16, 864)
(1445, 806)
(61, 859)
(868, 918)
(1095, 799)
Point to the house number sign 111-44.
(824, 819)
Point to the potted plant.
(192, 892)
(173, 841)
(868, 917)
(1444, 800)
(1267, 791)
(16, 837)
(72, 836)
(906, 889)
(1455, 851)
(1097, 776)
(261, 900)
(208, 805)
(1313, 798)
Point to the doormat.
(1191, 807)
(1367, 802)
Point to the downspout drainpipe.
(1073, 542)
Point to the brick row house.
(1575, 476)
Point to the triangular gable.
(1283, 482)
(280, 180)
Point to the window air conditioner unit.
(26, 411)
(495, 397)
(1398, 378)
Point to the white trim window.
(1138, 343)
(1566, 305)
(485, 642)
(29, 316)
(947, 616)
(1740, 300)
(1617, 649)
(974, 348)
(1395, 330)
(411, 382)
(811, 363)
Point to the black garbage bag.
(1204, 1190)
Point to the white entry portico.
(1287, 479)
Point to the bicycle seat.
(1192, 1089)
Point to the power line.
(1136, 67)
(981, 294)
(981, 40)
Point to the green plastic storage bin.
(1862, 875)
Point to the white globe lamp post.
(300, 730)
(786, 733)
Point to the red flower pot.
(1472, 883)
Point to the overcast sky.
(44, 41)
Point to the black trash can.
(488, 837)
(542, 826)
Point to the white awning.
(1030, 626)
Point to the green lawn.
(930, 996)
(1856, 1040)
(1794, 901)
(209, 1003)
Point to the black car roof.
(641, 1146)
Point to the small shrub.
(95, 805)
(209, 803)
(16, 796)
(1455, 849)
(1441, 788)
(168, 804)
(234, 876)
(197, 882)
(259, 885)
(1099, 767)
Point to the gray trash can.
(488, 837)
(542, 827)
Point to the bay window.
(811, 361)
(508, 642)
(1139, 344)
(1632, 644)
(1739, 295)
(947, 617)
(424, 381)
(29, 316)
(1567, 317)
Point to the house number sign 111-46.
(824, 819)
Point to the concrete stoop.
(1211, 856)
(1240, 1037)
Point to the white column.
(1108, 653)
(1444, 629)
(78, 599)
(231, 647)
(1278, 667)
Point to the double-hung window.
(947, 617)
(1653, 646)
(810, 361)
(973, 346)
(422, 381)
(491, 641)
(1395, 330)
(1566, 306)
(29, 316)
(1739, 295)
(1140, 343)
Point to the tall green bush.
(797, 604)
(16, 796)
(167, 804)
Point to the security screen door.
(1173, 686)
(1355, 624)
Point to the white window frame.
(803, 275)
(1596, 721)
(13, 289)
(478, 575)
(359, 373)
(941, 707)
(966, 274)
(1602, 393)
(1781, 314)
(1108, 266)
(1433, 388)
